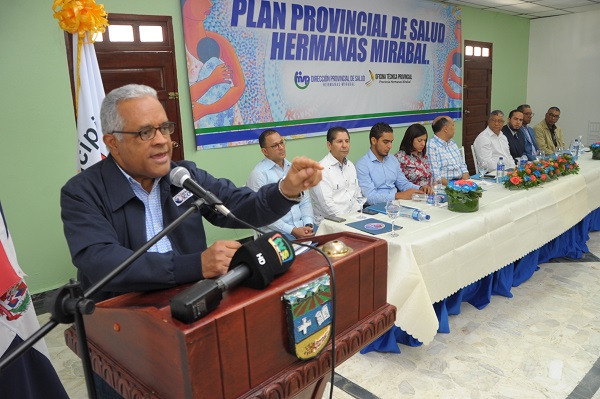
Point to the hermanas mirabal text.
(336, 34)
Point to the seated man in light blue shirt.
(298, 222)
(531, 147)
(379, 175)
(444, 155)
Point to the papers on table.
(373, 226)
(300, 249)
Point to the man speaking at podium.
(114, 207)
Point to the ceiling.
(531, 9)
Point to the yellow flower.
(80, 16)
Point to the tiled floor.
(542, 343)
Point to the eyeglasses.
(148, 132)
(553, 115)
(278, 145)
(497, 121)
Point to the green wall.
(38, 140)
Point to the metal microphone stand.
(70, 303)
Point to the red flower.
(463, 182)
(532, 177)
(528, 171)
(543, 177)
(515, 180)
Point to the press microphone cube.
(196, 301)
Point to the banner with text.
(302, 67)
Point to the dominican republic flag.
(90, 146)
(32, 375)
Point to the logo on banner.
(309, 315)
(301, 81)
(372, 80)
(393, 78)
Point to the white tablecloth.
(430, 261)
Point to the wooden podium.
(240, 349)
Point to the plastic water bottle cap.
(427, 217)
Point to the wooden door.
(140, 49)
(477, 94)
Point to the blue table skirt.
(570, 244)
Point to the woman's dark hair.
(415, 130)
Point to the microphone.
(255, 264)
(180, 177)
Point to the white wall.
(564, 70)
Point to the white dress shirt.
(489, 147)
(337, 191)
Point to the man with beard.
(514, 135)
(379, 175)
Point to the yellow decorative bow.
(81, 17)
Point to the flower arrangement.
(595, 150)
(532, 174)
(463, 195)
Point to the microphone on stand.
(180, 177)
(255, 264)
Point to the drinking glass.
(438, 188)
(392, 209)
(482, 168)
(361, 199)
(539, 155)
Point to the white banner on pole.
(90, 146)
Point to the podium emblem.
(309, 315)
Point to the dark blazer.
(104, 223)
(516, 143)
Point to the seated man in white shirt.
(336, 194)
(491, 144)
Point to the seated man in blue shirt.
(379, 175)
(298, 222)
(531, 147)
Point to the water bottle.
(575, 149)
(430, 199)
(500, 172)
(523, 161)
(420, 197)
(415, 214)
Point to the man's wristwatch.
(295, 199)
(309, 225)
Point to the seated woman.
(413, 160)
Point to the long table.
(430, 261)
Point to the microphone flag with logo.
(269, 256)
(255, 264)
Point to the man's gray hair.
(109, 114)
(496, 112)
